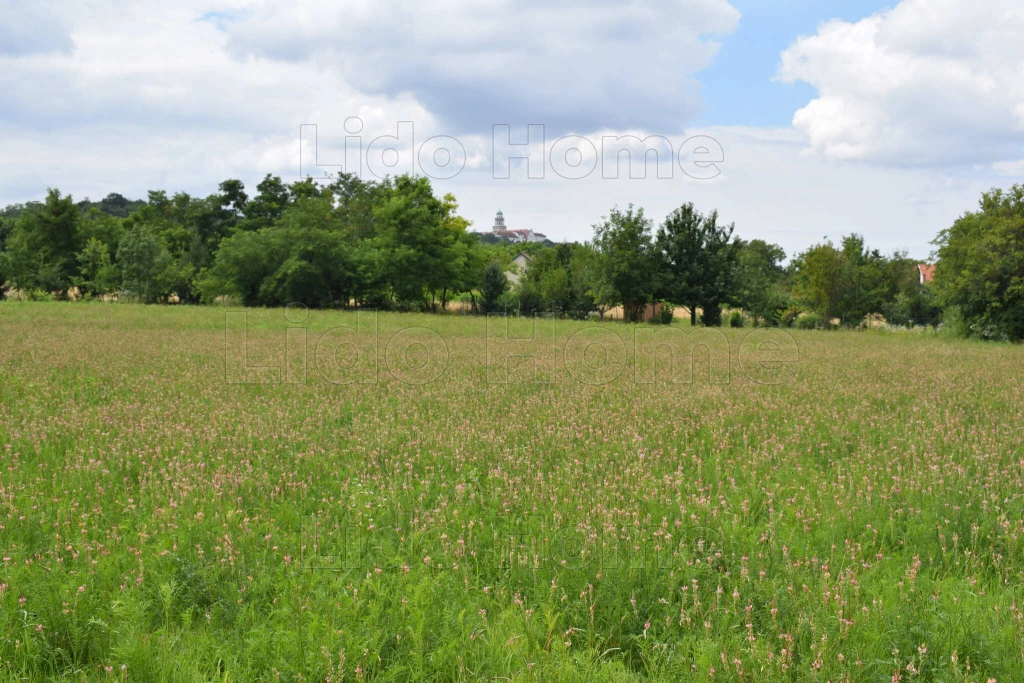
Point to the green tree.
(624, 241)
(7, 220)
(302, 258)
(850, 281)
(97, 274)
(462, 261)
(143, 261)
(43, 245)
(102, 227)
(979, 274)
(863, 287)
(699, 261)
(760, 279)
(818, 279)
(410, 223)
(267, 206)
(232, 197)
(587, 275)
(493, 286)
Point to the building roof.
(927, 272)
(524, 255)
(512, 232)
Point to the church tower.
(499, 222)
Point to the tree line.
(395, 244)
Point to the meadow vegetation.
(861, 520)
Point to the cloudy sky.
(887, 119)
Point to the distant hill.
(113, 204)
(491, 238)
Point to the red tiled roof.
(927, 271)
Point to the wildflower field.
(187, 494)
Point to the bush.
(530, 300)
(710, 316)
(788, 317)
(953, 323)
(810, 321)
(736, 319)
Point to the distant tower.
(499, 222)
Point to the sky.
(798, 120)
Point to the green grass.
(860, 521)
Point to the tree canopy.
(396, 244)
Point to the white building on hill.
(500, 230)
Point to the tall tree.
(699, 261)
(97, 274)
(233, 197)
(42, 247)
(267, 206)
(980, 271)
(624, 240)
(760, 280)
(143, 260)
(462, 262)
(863, 284)
(818, 278)
(411, 228)
(493, 286)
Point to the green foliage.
(711, 316)
(395, 244)
(761, 281)
(628, 258)
(410, 221)
(736, 319)
(561, 280)
(301, 259)
(851, 281)
(494, 285)
(818, 278)
(529, 299)
(810, 321)
(144, 261)
(113, 205)
(666, 314)
(699, 262)
(97, 274)
(267, 206)
(980, 271)
(43, 245)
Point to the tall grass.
(862, 521)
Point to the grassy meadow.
(439, 518)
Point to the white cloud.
(927, 82)
(769, 187)
(475, 63)
(32, 27)
(155, 95)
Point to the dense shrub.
(495, 284)
(711, 316)
(810, 321)
(789, 316)
(736, 319)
